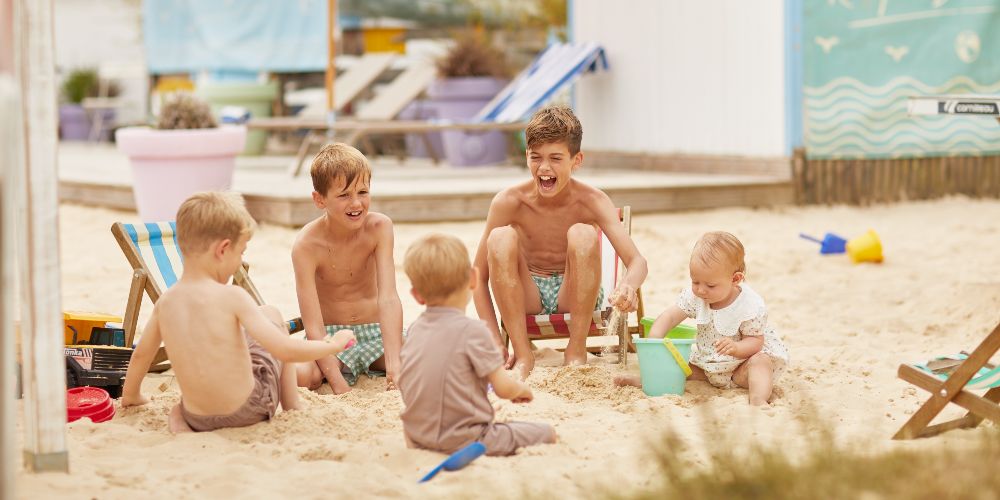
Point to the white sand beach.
(847, 327)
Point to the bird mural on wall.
(896, 53)
(827, 43)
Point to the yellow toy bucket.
(865, 248)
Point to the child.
(735, 342)
(449, 360)
(540, 250)
(222, 345)
(344, 273)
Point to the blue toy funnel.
(831, 243)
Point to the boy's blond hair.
(438, 265)
(338, 161)
(722, 248)
(212, 216)
(555, 124)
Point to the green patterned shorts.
(548, 290)
(369, 348)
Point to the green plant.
(472, 56)
(184, 111)
(79, 84)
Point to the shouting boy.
(540, 250)
(344, 273)
(221, 344)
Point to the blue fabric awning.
(234, 36)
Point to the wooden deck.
(416, 191)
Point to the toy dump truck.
(96, 354)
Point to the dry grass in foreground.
(826, 469)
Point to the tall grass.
(828, 469)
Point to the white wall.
(105, 35)
(686, 76)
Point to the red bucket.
(91, 402)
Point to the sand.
(847, 327)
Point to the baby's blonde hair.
(212, 216)
(720, 247)
(438, 265)
(338, 161)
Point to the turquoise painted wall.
(862, 58)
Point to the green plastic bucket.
(680, 331)
(255, 97)
(659, 370)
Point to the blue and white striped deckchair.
(558, 66)
(155, 257)
(973, 372)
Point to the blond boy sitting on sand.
(222, 345)
(344, 273)
(541, 249)
(449, 360)
(735, 343)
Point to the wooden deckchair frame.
(953, 390)
(599, 329)
(143, 282)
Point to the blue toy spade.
(831, 243)
(457, 460)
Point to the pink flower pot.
(168, 166)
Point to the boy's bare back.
(200, 330)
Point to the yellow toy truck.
(95, 350)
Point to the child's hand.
(134, 400)
(525, 396)
(725, 346)
(342, 338)
(624, 298)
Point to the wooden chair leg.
(132, 306)
(917, 426)
(300, 157)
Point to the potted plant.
(73, 122)
(470, 74)
(186, 153)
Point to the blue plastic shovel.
(457, 460)
(831, 243)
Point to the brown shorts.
(505, 438)
(261, 403)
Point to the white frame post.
(44, 368)
(11, 143)
(10, 146)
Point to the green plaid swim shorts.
(548, 290)
(369, 348)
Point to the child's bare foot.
(523, 365)
(632, 380)
(575, 358)
(176, 423)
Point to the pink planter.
(168, 166)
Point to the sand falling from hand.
(614, 330)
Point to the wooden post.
(44, 371)
(331, 68)
(10, 149)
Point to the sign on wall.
(863, 58)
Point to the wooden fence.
(862, 182)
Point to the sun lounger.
(555, 68)
(556, 326)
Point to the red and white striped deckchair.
(555, 326)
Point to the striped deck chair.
(555, 326)
(155, 256)
(954, 384)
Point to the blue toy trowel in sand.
(457, 460)
(831, 243)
